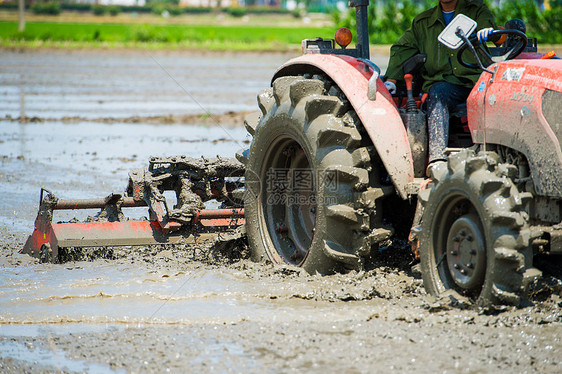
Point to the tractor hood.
(521, 107)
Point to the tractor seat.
(459, 111)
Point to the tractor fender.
(380, 117)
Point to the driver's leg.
(443, 97)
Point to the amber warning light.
(343, 37)
(502, 38)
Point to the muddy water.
(88, 118)
(91, 159)
(94, 84)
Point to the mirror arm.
(372, 87)
(461, 35)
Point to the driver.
(444, 78)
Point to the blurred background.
(243, 25)
(90, 89)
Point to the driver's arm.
(485, 19)
(403, 49)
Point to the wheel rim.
(466, 253)
(288, 199)
(460, 245)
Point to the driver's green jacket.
(442, 63)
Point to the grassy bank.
(210, 32)
(217, 37)
(202, 32)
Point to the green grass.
(157, 36)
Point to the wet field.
(90, 117)
(76, 122)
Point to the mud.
(207, 308)
(229, 119)
(258, 318)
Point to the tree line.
(389, 19)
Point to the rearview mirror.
(449, 37)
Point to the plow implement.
(193, 182)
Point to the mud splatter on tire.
(475, 236)
(307, 126)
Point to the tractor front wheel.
(474, 241)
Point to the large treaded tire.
(474, 240)
(306, 123)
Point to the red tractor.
(336, 167)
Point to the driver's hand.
(484, 34)
(391, 87)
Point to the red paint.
(129, 226)
(358, 65)
(220, 213)
(40, 236)
(537, 75)
(549, 55)
(223, 222)
(423, 99)
(128, 232)
(219, 217)
(409, 78)
(508, 111)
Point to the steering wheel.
(517, 46)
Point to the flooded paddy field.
(76, 122)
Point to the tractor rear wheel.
(305, 172)
(474, 240)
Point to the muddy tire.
(474, 240)
(305, 172)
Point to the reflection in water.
(89, 160)
(100, 84)
(22, 98)
(22, 125)
(124, 292)
(53, 358)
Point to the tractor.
(336, 169)
(336, 165)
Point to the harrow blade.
(45, 244)
(47, 237)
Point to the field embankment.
(208, 31)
